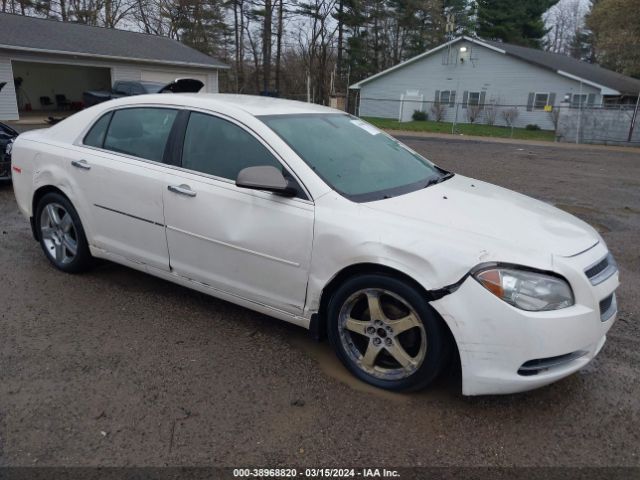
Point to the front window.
(579, 100)
(540, 101)
(474, 99)
(353, 157)
(445, 96)
(217, 147)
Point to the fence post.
(455, 120)
(633, 119)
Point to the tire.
(61, 235)
(405, 345)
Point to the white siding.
(212, 82)
(8, 103)
(170, 76)
(504, 79)
(125, 72)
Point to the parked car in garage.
(126, 88)
(315, 217)
(7, 136)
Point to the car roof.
(252, 104)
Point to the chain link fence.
(570, 123)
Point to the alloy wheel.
(382, 334)
(58, 233)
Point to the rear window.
(95, 137)
(141, 132)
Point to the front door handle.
(81, 164)
(182, 190)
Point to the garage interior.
(52, 87)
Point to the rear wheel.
(61, 234)
(386, 334)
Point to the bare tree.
(510, 115)
(474, 112)
(565, 20)
(490, 113)
(437, 111)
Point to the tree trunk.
(266, 46)
(279, 44)
(338, 80)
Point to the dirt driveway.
(115, 367)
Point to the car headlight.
(526, 289)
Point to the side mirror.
(267, 178)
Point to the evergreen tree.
(513, 21)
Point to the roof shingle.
(584, 70)
(76, 39)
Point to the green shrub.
(419, 116)
(532, 126)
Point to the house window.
(578, 100)
(540, 101)
(445, 96)
(474, 99)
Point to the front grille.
(608, 307)
(598, 267)
(534, 367)
(601, 270)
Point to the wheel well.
(37, 196)
(319, 324)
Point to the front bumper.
(507, 350)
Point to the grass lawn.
(463, 128)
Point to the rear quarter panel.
(43, 162)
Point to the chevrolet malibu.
(315, 217)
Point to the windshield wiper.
(440, 179)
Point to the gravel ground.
(115, 367)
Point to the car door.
(253, 244)
(120, 175)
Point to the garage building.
(46, 65)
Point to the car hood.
(472, 207)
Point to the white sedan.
(315, 217)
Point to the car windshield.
(353, 157)
(152, 87)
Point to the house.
(470, 79)
(42, 59)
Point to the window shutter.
(591, 99)
(452, 98)
(465, 98)
(530, 102)
(552, 99)
(437, 98)
(483, 95)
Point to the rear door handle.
(81, 164)
(182, 190)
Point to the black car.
(7, 136)
(125, 88)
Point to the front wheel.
(386, 334)
(61, 235)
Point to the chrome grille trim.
(601, 270)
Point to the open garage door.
(49, 87)
(164, 77)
